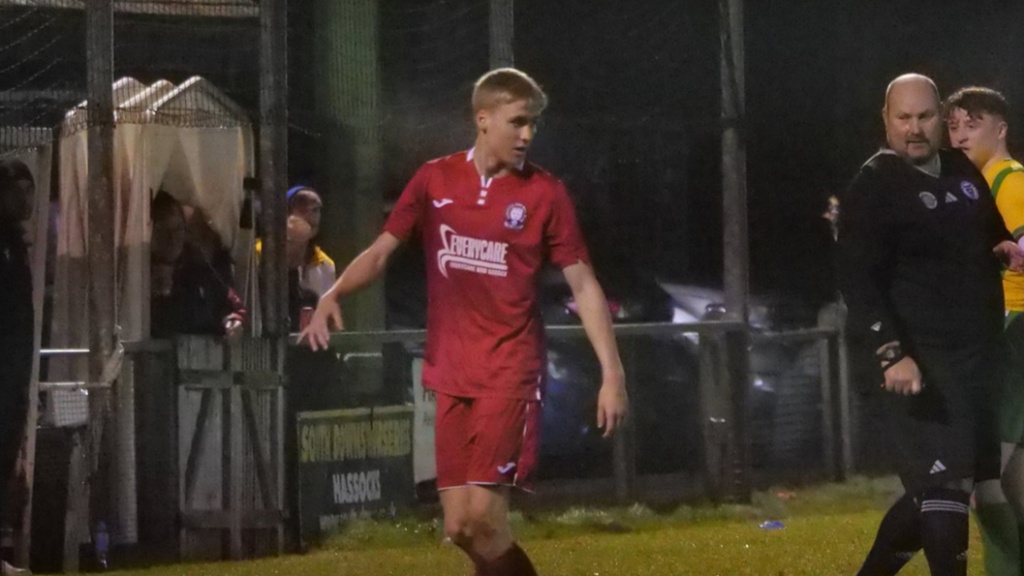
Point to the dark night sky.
(816, 73)
(633, 124)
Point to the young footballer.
(489, 221)
(978, 121)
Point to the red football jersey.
(486, 242)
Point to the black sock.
(899, 537)
(513, 562)
(944, 530)
(478, 561)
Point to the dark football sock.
(478, 561)
(944, 530)
(513, 562)
(899, 537)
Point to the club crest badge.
(969, 190)
(928, 199)
(515, 216)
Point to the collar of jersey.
(469, 158)
(938, 162)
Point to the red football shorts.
(486, 441)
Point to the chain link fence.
(350, 97)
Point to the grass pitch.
(827, 530)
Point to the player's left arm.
(612, 400)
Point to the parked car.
(783, 401)
(663, 372)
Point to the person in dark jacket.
(192, 278)
(920, 248)
(17, 188)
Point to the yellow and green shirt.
(317, 275)
(1006, 179)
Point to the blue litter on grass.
(772, 525)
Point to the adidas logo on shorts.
(937, 467)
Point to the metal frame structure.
(203, 8)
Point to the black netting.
(43, 63)
(431, 52)
(633, 130)
(375, 88)
(179, 41)
(42, 72)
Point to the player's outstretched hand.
(1011, 255)
(903, 377)
(612, 404)
(317, 334)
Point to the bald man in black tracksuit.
(919, 248)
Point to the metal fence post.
(735, 376)
(846, 434)
(714, 423)
(828, 406)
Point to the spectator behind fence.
(920, 244)
(311, 272)
(17, 189)
(192, 290)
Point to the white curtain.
(146, 151)
(213, 165)
(70, 324)
(203, 167)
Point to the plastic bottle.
(102, 541)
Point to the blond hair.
(506, 85)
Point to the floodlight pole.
(87, 444)
(349, 101)
(273, 163)
(735, 239)
(502, 32)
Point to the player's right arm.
(370, 264)
(360, 273)
(863, 267)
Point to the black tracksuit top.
(915, 260)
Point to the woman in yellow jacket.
(311, 271)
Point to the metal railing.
(723, 474)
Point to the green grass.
(827, 531)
